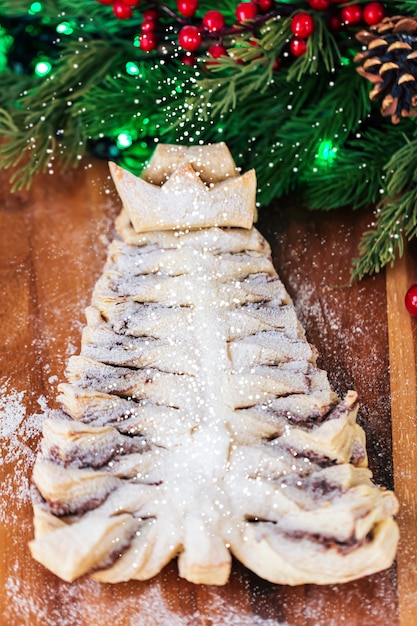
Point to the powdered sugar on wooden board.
(150, 606)
(12, 411)
(18, 434)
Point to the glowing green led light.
(345, 61)
(6, 42)
(35, 7)
(326, 153)
(136, 41)
(124, 140)
(64, 28)
(132, 68)
(145, 121)
(42, 68)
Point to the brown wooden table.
(52, 247)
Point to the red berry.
(351, 14)
(189, 59)
(265, 5)
(373, 13)
(298, 46)
(411, 300)
(187, 8)
(131, 3)
(277, 65)
(217, 51)
(319, 5)
(189, 38)
(121, 10)
(148, 26)
(148, 42)
(302, 25)
(213, 21)
(150, 14)
(246, 11)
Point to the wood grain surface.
(53, 243)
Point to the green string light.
(124, 140)
(64, 28)
(35, 7)
(326, 153)
(6, 42)
(132, 68)
(42, 68)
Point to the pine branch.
(408, 8)
(232, 86)
(247, 69)
(300, 162)
(12, 88)
(350, 180)
(383, 244)
(401, 168)
(19, 145)
(355, 175)
(46, 113)
(396, 214)
(135, 103)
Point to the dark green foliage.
(307, 127)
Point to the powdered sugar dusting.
(145, 604)
(12, 411)
(18, 434)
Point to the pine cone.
(390, 63)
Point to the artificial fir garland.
(284, 84)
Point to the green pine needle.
(381, 245)
(396, 218)
(46, 124)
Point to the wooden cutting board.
(53, 243)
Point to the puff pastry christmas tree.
(195, 422)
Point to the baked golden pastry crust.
(195, 421)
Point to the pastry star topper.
(193, 195)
